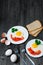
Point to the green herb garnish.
(14, 30)
(37, 42)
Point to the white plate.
(20, 28)
(28, 45)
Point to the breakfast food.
(35, 48)
(3, 40)
(8, 52)
(36, 34)
(34, 25)
(34, 52)
(17, 34)
(34, 28)
(13, 58)
(3, 35)
(35, 31)
(7, 42)
(16, 38)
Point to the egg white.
(18, 36)
(35, 49)
(39, 47)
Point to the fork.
(23, 51)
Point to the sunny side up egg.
(36, 47)
(18, 34)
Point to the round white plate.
(20, 28)
(28, 45)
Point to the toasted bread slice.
(33, 32)
(34, 25)
(36, 34)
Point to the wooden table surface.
(19, 12)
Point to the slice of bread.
(36, 34)
(34, 25)
(35, 31)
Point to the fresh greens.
(14, 30)
(37, 41)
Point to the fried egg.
(18, 34)
(36, 47)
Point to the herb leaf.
(14, 29)
(37, 42)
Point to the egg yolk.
(34, 45)
(18, 33)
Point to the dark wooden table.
(19, 12)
